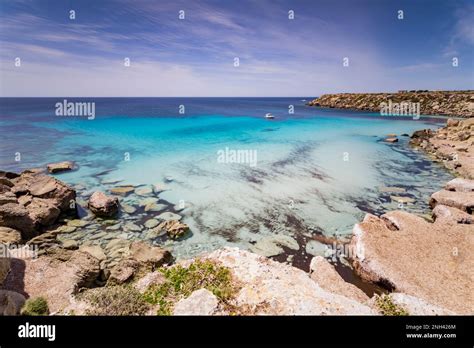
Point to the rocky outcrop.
(270, 287)
(102, 205)
(449, 103)
(452, 145)
(30, 202)
(11, 302)
(405, 253)
(53, 278)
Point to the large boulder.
(42, 211)
(405, 253)
(461, 200)
(102, 205)
(150, 256)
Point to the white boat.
(269, 116)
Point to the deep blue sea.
(312, 171)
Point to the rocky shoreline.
(424, 266)
(446, 103)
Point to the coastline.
(73, 270)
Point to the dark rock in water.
(102, 205)
(60, 167)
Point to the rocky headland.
(447, 103)
(423, 265)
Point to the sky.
(195, 56)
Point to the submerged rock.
(122, 190)
(272, 245)
(173, 228)
(102, 205)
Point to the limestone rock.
(173, 228)
(447, 215)
(123, 271)
(460, 185)
(407, 254)
(417, 306)
(153, 278)
(323, 273)
(60, 166)
(270, 287)
(53, 279)
(200, 302)
(460, 200)
(150, 255)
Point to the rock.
(6, 182)
(128, 208)
(9, 236)
(122, 190)
(452, 122)
(154, 207)
(95, 250)
(405, 253)
(173, 228)
(159, 187)
(200, 302)
(43, 212)
(8, 197)
(11, 302)
(123, 272)
(403, 200)
(323, 273)
(4, 267)
(130, 226)
(151, 223)
(70, 244)
(391, 189)
(78, 223)
(144, 191)
(417, 306)
(102, 205)
(55, 280)
(66, 229)
(273, 288)
(460, 200)
(149, 255)
(315, 248)
(460, 185)
(391, 140)
(47, 187)
(16, 216)
(167, 216)
(450, 215)
(60, 166)
(153, 278)
(272, 245)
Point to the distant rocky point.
(448, 103)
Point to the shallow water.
(317, 171)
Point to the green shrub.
(181, 282)
(35, 306)
(115, 300)
(386, 306)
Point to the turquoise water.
(316, 171)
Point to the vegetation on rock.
(386, 306)
(182, 281)
(35, 306)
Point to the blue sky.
(195, 56)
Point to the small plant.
(35, 306)
(386, 306)
(181, 282)
(115, 300)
